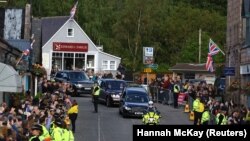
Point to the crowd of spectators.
(22, 112)
(161, 89)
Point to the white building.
(69, 47)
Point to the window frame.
(108, 64)
(72, 32)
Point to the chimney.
(27, 23)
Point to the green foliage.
(124, 27)
(39, 95)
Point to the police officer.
(176, 91)
(151, 107)
(67, 133)
(95, 94)
(73, 113)
(151, 117)
(36, 131)
(205, 118)
(45, 135)
(196, 108)
(57, 134)
(221, 118)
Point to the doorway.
(68, 61)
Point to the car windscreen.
(136, 98)
(116, 85)
(77, 76)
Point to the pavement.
(173, 116)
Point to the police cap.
(37, 127)
(58, 123)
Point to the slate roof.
(20, 44)
(50, 25)
(189, 67)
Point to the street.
(108, 125)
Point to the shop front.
(71, 56)
(69, 48)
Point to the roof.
(137, 89)
(188, 67)
(111, 79)
(71, 71)
(50, 25)
(20, 44)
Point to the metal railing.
(160, 95)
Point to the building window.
(112, 65)
(108, 65)
(90, 61)
(70, 32)
(104, 65)
(79, 61)
(57, 61)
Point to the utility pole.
(199, 45)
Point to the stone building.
(237, 46)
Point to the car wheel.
(124, 115)
(120, 112)
(108, 104)
(75, 94)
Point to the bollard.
(186, 109)
(191, 115)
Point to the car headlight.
(115, 96)
(127, 108)
(78, 85)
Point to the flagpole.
(218, 47)
(221, 51)
(19, 59)
(200, 45)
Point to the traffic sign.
(229, 71)
(153, 66)
(147, 70)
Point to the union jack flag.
(73, 10)
(209, 64)
(213, 48)
(26, 52)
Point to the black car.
(78, 79)
(111, 90)
(134, 102)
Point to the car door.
(102, 92)
(122, 101)
(59, 77)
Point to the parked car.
(78, 79)
(134, 102)
(111, 90)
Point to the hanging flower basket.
(38, 70)
(246, 89)
(235, 85)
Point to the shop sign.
(71, 47)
